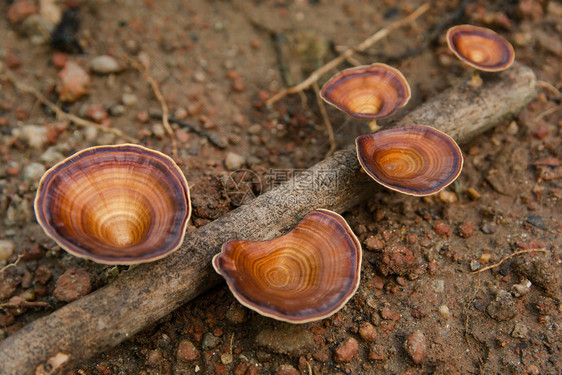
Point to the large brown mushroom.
(369, 92)
(480, 48)
(415, 160)
(121, 204)
(306, 275)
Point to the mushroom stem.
(475, 80)
(374, 126)
(149, 292)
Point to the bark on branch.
(146, 293)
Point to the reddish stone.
(373, 243)
(286, 370)
(143, 116)
(97, 113)
(43, 274)
(20, 10)
(59, 59)
(186, 351)
(322, 354)
(12, 61)
(441, 228)
(346, 351)
(466, 229)
(367, 332)
(398, 260)
(416, 346)
(73, 82)
(412, 238)
(73, 284)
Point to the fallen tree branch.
(148, 292)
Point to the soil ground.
(216, 62)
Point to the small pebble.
(209, 341)
(416, 347)
(51, 156)
(346, 351)
(73, 284)
(20, 10)
(512, 129)
(520, 331)
(474, 265)
(158, 130)
(34, 135)
(286, 369)
(254, 129)
(104, 64)
(519, 290)
(444, 312)
(116, 110)
(33, 172)
(6, 249)
(367, 332)
(446, 196)
(487, 228)
(373, 243)
(186, 351)
(73, 82)
(181, 113)
(466, 229)
(97, 113)
(226, 358)
(441, 228)
(473, 194)
(129, 99)
(485, 257)
(234, 161)
(236, 313)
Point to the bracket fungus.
(122, 204)
(306, 275)
(415, 160)
(368, 92)
(480, 48)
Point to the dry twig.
(144, 69)
(78, 121)
(510, 256)
(382, 33)
(326, 120)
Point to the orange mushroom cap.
(415, 160)
(480, 47)
(121, 204)
(367, 92)
(306, 275)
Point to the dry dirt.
(420, 307)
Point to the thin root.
(510, 256)
(144, 69)
(78, 121)
(382, 33)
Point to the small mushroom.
(121, 204)
(415, 160)
(368, 92)
(481, 48)
(306, 275)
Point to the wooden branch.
(148, 292)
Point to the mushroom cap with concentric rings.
(480, 47)
(367, 92)
(415, 160)
(306, 275)
(122, 204)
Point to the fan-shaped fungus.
(481, 48)
(415, 160)
(306, 275)
(121, 204)
(367, 92)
